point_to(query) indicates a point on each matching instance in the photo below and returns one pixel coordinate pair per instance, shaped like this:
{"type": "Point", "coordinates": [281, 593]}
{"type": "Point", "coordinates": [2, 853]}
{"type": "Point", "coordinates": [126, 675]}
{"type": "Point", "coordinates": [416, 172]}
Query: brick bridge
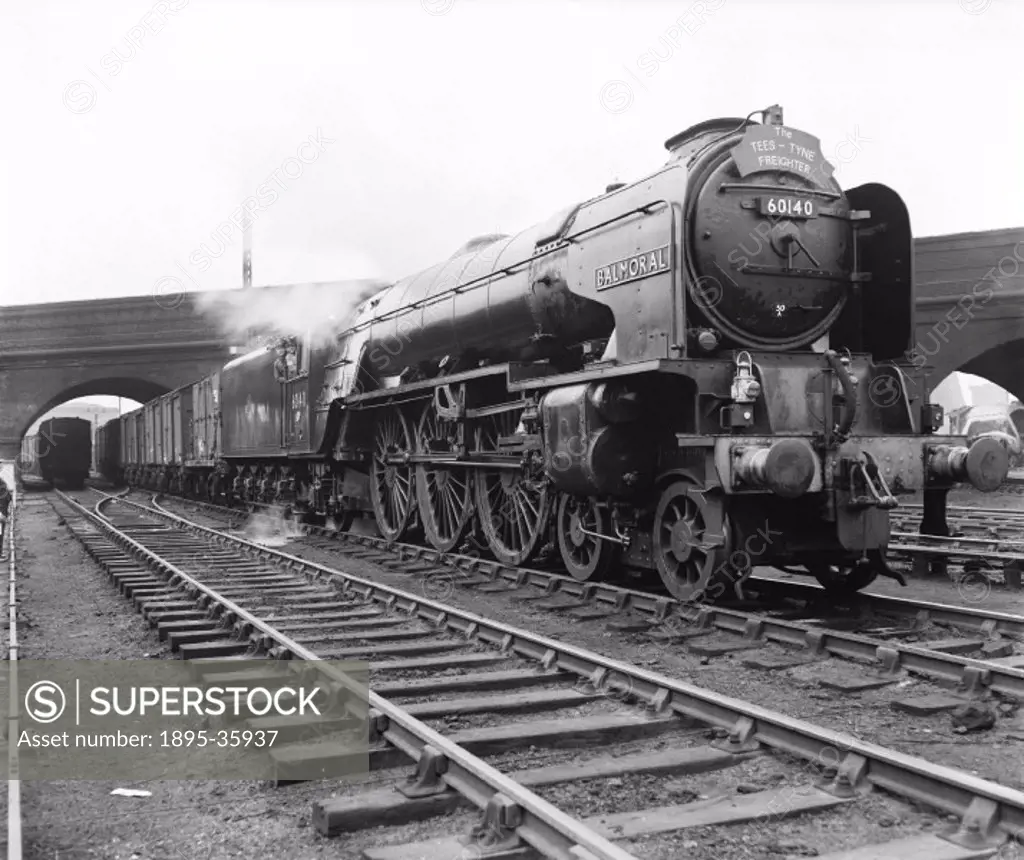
{"type": "Point", "coordinates": [970, 317]}
{"type": "Point", "coordinates": [970, 306]}
{"type": "Point", "coordinates": [136, 347]}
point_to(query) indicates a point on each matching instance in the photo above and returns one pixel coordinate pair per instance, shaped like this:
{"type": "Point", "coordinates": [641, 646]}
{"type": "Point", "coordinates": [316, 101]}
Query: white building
{"type": "Point", "coordinates": [963, 389]}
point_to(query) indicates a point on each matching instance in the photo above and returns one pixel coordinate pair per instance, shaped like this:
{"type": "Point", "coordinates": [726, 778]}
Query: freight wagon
{"type": "Point", "coordinates": [171, 443]}
{"type": "Point", "coordinates": [108, 451]}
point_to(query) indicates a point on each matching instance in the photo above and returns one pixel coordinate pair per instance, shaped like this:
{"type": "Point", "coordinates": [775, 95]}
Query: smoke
{"type": "Point", "coordinates": [271, 529]}
{"type": "Point", "coordinates": [320, 310]}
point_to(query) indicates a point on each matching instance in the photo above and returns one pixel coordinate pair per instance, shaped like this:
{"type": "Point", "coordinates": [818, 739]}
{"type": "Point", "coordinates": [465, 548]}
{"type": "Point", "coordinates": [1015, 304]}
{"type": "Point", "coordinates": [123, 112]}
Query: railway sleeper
{"type": "Point", "coordinates": [325, 617]}
{"type": "Point", "coordinates": [334, 816]}
{"type": "Point", "coordinates": [360, 636]}
{"type": "Point", "coordinates": [381, 622]}
{"type": "Point", "coordinates": [129, 587]}
{"type": "Point", "coordinates": [126, 585]}
{"type": "Point", "coordinates": [212, 633]}
{"type": "Point", "coordinates": [166, 629]}
{"type": "Point", "coordinates": [495, 835]}
{"type": "Point", "coordinates": [156, 618]}
{"type": "Point", "coordinates": [196, 650]}
{"type": "Point", "coordinates": [153, 607]}
{"type": "Point", "coordinates": [302, 762]}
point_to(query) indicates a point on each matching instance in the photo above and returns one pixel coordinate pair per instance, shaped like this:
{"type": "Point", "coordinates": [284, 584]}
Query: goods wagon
{"type": "Point", "coordinates": [108, 451]}
{"type": "Point", "coordinates": [132, 446]}
{"type": "Point", "coordinates": [172, 420]}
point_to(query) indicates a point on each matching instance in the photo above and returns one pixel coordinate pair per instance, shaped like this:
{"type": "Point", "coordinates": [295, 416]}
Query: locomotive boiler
{"type": "Point", "coordinates": [692, 374]}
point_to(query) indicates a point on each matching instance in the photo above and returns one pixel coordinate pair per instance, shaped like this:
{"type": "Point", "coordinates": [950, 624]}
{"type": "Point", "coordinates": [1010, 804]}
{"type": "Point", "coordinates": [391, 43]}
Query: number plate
{"type": "Point", "coordinates": [789, 207]}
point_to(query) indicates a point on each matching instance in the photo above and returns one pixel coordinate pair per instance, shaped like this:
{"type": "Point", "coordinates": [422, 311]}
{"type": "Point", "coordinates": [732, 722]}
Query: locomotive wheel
{"type": "Point", "coordinates": [513, 508]}
{"type": "Point", "coordinates": [391, 484]}
{"type": "Point", "coordinates": [843, 581]}
{"type": "Point", "coordinates": [585, 557]}
{"type": "Point", "coordinates": [690, 542]}
{"type": "Point", "coordinates": [445, 494]}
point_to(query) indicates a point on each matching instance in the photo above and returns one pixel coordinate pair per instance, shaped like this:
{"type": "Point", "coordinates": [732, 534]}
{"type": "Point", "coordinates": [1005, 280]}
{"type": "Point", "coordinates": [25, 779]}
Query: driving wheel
{"type": "Point", "coordinates": [391, 479]}
{"type": "Point", "coordinates": [444, 492]}
{"type": "Point", "coordinates": [512, 501]}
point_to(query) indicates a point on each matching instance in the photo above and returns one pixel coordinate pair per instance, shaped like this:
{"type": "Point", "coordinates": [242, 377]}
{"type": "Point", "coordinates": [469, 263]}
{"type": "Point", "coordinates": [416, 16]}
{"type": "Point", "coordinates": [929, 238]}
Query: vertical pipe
{"type": "Point", "coordinates": [247, 265]}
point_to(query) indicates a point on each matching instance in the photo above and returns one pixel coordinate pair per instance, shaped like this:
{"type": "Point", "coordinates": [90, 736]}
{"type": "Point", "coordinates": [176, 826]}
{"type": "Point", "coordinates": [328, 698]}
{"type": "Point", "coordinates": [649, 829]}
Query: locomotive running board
{"type": "Point", "coordinates": [421, 387]}
{"type": "Point", "coordinates": [603, 371]}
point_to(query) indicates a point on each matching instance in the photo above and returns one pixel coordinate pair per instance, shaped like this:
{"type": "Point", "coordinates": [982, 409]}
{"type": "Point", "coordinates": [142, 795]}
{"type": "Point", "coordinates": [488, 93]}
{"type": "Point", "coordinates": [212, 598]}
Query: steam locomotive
{"type": "Point", "coordinates": [692, 374]}
{"type": "Point", "coordinates": [61, 452]}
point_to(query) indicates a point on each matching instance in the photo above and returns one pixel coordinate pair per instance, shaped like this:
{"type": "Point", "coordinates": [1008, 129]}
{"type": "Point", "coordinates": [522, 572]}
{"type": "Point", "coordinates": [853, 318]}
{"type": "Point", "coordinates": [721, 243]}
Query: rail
{"type": "Point", "coordinates": [982, 805]}
{"type": "Point", "coordinates": [669, 613]}
{"type": "Point", "coordinates": [14, 832]}
{"type": "Point", "coordinates": [544, 826]}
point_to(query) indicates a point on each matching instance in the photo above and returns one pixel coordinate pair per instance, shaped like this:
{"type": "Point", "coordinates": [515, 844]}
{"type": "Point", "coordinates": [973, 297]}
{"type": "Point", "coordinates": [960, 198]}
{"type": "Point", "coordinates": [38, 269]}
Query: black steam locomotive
{"type": "Point", "coordinates": [60, 453]}
{"type": "Point", "coordinates": [691, 374]}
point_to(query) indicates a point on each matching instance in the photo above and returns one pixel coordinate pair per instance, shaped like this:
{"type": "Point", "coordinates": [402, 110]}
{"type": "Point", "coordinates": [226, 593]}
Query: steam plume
{"type": "Point", "coordinates": [321, 309]}
{"type": "Point", "coordinates": [270, 528]}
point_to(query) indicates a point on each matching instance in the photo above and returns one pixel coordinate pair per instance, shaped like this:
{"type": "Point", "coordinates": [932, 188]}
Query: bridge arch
{"type": "Point", "coordinates": [970, 306]}
{"type": "Point", "coordinates": [1017, 417]}
{"type": "Point", "coordinates": [140, 390]}
{"type": "Point", "coordinates": [1001, 364]}
{"type": "Point", "coordinates": [30, 390]}
{"type": "Point", "coordinates": [136, 347]}
{"type": "Point", "coordinates": [996, 354]}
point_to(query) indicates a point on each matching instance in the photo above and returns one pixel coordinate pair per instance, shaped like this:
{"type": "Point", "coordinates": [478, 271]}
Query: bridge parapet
{"type": "Point", "coordinates": [952, 265]}
{"type": "Point", "coordinates": [970, 306]}
{"type": "Point", "coordinates": [122, 322]}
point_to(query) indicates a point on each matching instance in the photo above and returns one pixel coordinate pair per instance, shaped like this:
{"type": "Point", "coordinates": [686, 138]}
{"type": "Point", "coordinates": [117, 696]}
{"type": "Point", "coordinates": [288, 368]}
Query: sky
{"type": "Point", "coordinates": [374, 138]}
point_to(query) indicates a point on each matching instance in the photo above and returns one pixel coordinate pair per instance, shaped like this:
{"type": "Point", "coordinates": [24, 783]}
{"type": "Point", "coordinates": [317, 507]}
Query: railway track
{"type": "Point", "coordinates": [985, 561]}
{"type": "Point", "coordinates": [984, 523]}
{"type": "Point", "coordinates": [9, 684]}
{"type": "Point", "coordinates": [204, 589]}
{"type": "Point", "coordinates": [986, 543]}
{"type": "Point", "coordinates": [893, 634]}
{"type": "Point", "coordinates": [968, 517]}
